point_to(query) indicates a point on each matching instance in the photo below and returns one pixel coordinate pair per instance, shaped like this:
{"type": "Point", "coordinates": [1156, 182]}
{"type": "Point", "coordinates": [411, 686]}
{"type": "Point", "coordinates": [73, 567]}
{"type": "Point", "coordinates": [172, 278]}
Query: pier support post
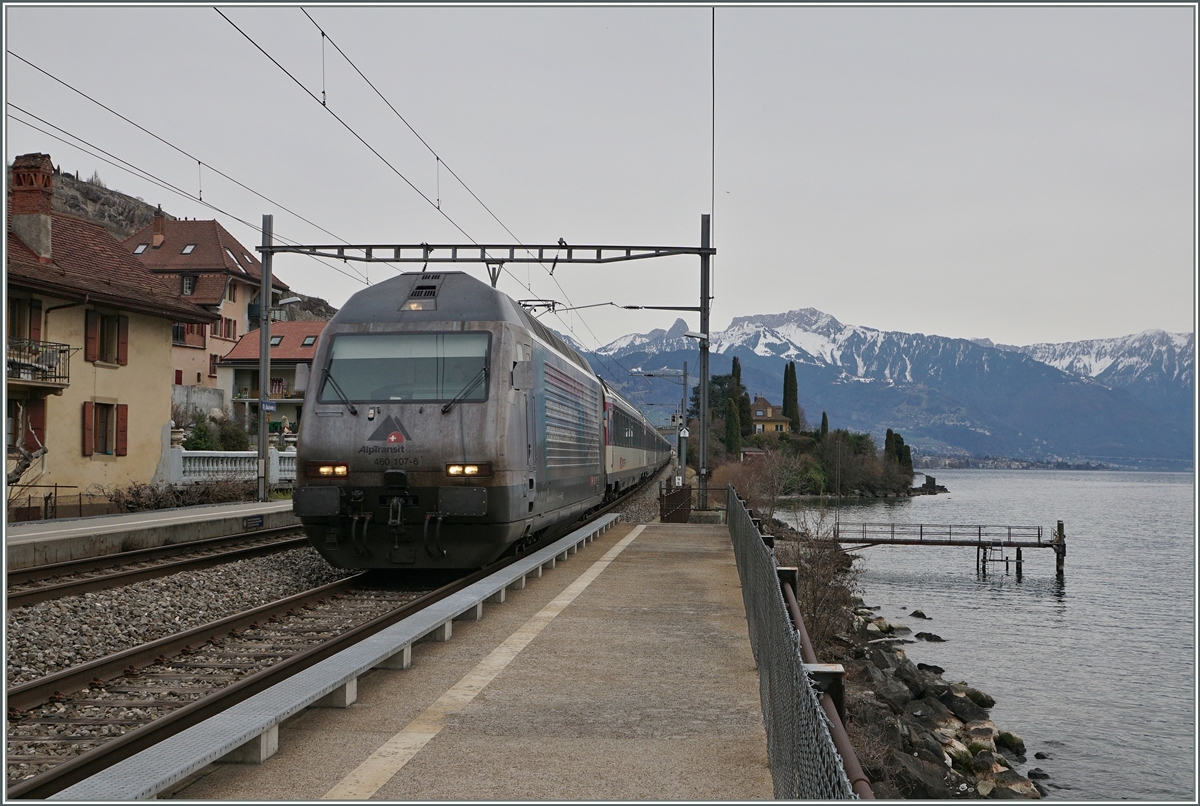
{"type": "Point", "coordinates": [1060, 550]}
{"type": "Point", "coordinates": [1019, 562]}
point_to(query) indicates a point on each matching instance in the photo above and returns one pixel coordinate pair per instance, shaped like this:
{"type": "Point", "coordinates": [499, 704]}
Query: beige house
{"type": "Point", "coordinates": [88, 345]}
{"type": "Point", "coordinates": [207, 267]}
{"type": "Point", "coordinates": [767, 418]}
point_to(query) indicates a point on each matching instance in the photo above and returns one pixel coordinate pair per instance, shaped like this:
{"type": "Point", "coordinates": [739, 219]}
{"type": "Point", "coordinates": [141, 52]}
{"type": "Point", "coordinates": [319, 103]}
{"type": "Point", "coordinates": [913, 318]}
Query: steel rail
{"type": "Point", "coordinates": [93, 761]}
{"type": "Point", "coordinates": [45, 593]}
{"type": "Point", "coordinates": [24, 576]}
{"type": "Point", "coordinates": [40, 691]}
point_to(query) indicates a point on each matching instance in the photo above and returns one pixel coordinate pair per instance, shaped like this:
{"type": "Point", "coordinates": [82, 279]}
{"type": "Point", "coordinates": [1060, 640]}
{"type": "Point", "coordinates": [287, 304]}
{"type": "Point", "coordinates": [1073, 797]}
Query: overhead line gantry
{"type": "Point", "coordinates": [495, 256]}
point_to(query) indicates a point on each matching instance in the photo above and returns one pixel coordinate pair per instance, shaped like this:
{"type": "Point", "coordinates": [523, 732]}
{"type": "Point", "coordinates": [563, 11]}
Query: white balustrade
{"type": "Point", "coordinates": [191, 467]}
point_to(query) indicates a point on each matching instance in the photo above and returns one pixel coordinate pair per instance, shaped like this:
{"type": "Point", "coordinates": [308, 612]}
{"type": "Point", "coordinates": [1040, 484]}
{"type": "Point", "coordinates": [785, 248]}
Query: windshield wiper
{"type": "Point", "coordinates": [340, 393]}
{"type": "Point", "coordinates": [479, 376]}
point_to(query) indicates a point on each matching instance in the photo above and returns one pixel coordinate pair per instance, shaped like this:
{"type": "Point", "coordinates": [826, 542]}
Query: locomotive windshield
{"type": "Point", "coordinates": [418, 367]}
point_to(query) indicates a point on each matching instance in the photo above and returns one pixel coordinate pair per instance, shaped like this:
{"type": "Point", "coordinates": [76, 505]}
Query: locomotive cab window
{"type": "Point", "coordinates": [412, 367]}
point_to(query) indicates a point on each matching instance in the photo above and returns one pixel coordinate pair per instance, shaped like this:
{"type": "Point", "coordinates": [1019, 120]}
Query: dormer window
{"type": "Point", "coordinates": [276, 341]}
{"type": "Point", "coordinates": [309, 341]}
{"type": "Point", "coordinates": [141, 248]}
{"type": "Point", "coordinates": [189, 284]}
{"type": "Point", "coordinates": [187, 250]}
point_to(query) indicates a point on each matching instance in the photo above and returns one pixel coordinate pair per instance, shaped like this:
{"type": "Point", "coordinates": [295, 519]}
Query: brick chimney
{"type": "Point", "coordinates": [158, 238]}
{"type": "Point", "coordinates": [32, 190]}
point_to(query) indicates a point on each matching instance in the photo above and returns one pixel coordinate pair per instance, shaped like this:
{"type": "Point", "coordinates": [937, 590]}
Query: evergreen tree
{"type": "Point", "coordinates": [717, 389]}
{"type": "Point", "coordinates": [737, 392]}
{"type": "Point", "coordinates": [791, 398]}
{"type": "Point", "coordinates": [824, 425]}
{"type": "Point", "coordinates": [733, 430]}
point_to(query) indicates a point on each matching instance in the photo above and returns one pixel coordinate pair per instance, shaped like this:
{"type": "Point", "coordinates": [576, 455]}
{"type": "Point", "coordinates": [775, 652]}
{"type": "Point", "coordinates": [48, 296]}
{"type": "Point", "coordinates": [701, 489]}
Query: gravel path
{"type": "Point", "coordinates": [52, 636]}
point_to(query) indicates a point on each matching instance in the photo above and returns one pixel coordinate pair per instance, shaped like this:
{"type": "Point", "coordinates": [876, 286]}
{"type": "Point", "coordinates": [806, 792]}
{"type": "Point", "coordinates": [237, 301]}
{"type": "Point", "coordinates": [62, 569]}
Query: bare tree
{"type": "Point", "coordinates": [827, 577]}
{"type": "Point", "coordinates": [19, 459]}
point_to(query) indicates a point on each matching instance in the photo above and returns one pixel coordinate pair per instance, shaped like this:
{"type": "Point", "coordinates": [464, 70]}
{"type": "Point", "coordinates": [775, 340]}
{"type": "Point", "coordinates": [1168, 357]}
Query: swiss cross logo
{"type": "Point", "coordinates": [391, 431]}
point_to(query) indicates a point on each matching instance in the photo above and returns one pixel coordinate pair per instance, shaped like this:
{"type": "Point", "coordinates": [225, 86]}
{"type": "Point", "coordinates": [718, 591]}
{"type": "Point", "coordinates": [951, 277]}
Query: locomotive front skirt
{"type": "Point", "coordinates": [444, 426]}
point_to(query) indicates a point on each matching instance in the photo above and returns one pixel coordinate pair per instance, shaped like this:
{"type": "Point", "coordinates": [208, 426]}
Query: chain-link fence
{"type": "Point", "coordinates": [804, 762]}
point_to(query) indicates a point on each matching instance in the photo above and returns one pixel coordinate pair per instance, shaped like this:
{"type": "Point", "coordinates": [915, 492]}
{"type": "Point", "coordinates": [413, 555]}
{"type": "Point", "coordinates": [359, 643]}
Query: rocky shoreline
{"type": "Point", "coordinates": [917, 735]}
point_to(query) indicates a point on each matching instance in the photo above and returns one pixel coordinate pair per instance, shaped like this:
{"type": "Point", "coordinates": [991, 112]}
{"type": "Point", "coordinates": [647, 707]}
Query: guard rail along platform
{"type": "Point", "coordinates": [810, 755]}
{"type": "Point", "coordinates": [249, 731]}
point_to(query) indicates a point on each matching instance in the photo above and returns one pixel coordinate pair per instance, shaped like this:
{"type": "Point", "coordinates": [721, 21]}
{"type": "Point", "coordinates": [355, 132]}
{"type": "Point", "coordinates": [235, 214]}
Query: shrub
{"type": "Point", "coordinates": [142, 497]}
{"type": "Point", "coordinates": [201, 439]}
{"type": "Point", "coordinates": [232, 437]}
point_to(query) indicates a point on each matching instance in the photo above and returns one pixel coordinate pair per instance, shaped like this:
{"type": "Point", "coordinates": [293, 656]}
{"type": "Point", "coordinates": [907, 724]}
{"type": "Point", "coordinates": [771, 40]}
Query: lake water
{"type": "Point", "coordinates": [1098, 670]}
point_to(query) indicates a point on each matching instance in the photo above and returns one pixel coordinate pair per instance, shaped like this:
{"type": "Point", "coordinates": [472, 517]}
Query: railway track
{"type": "Point", "coordinates": [44, 583]}
{"type": "Point", "coordinates": [70, 725]}
{"type": "Point", "coordinates": [67, 726]}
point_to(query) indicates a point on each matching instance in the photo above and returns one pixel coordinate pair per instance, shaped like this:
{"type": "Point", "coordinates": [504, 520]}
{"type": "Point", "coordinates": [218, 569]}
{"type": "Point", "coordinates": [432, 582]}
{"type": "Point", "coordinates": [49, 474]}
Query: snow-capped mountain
{"type": "Point", "coordinates": [1109, 399]}
{"type": "Point", "coordinates": [1153, 359]}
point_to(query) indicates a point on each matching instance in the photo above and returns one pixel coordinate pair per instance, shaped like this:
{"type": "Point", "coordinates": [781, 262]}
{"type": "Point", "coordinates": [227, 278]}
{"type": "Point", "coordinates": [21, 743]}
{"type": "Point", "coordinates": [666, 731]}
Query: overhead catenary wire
{"type": "Point", "coordinates": [439, 162]}
{"type": "Point", "coordinates": [169, 144]}
{"type": "Point", "coordinates": [130, 168]}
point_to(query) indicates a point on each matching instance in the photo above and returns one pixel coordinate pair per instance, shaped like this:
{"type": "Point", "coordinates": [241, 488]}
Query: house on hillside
{"type": "Point", "coordinates": [210, 268]}
{"type": "Point", "coordinates": [767, 418]}
{"type": "Point", "coordinates": [88, 349]}
{"type": "Point", "coordinates": [293, 347]}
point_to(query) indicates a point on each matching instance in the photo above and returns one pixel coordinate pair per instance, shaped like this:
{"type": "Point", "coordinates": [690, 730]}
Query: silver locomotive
{"type": "Point", "coordinates": [444, 426]}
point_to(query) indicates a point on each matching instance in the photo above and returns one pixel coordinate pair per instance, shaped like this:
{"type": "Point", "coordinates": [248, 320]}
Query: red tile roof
{"type": "Point", "coordinates": [216, 250]}
{"type": "Point", "coordinates": [289, 349]}
{"type": "Point", "coordinates": [87, 260]}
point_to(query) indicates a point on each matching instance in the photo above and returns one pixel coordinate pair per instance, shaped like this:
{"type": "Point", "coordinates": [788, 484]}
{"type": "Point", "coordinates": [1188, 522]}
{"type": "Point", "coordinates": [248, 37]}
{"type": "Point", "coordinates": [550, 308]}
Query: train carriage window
{"type": "Point", "coordinates": [424, 367]}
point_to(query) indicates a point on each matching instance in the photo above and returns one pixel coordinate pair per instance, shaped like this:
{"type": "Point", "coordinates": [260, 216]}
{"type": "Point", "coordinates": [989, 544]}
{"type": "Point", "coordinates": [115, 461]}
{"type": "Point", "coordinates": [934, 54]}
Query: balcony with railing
{"type": "Point", "coordinates": [39, 363]}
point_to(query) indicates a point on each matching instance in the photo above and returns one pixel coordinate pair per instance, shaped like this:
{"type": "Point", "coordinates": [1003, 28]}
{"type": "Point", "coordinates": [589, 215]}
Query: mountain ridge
{"type": "Point", "coordinates": [1128, 398]}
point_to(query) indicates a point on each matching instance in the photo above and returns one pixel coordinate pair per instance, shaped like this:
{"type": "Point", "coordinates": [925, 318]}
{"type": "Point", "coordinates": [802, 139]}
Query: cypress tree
{"type": "Point", "coordinates": [733, 429]}
{"type": "Point", "coordinates": [824, 425]}
{"type": "Point", "coordinates": [742, 398]}
{"type": "Point", "coordinates": [791, 398]}
{"type": "Point", "coordinates": [787, 388]}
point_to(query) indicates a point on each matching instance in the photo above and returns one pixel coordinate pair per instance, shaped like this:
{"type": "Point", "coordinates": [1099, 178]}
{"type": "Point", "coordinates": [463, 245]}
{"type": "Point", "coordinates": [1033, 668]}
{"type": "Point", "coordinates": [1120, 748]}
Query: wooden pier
{"type": "Point", "coordinates": [989, 542]}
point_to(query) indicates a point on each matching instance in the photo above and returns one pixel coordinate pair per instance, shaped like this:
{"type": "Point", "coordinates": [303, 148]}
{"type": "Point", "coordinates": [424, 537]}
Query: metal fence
{"type": "Point", "coordinates": [804, 762]}
{"type": "Point", "coordinates": [674, 503]}
{"type": "Point", "coordinates": [42, 361]}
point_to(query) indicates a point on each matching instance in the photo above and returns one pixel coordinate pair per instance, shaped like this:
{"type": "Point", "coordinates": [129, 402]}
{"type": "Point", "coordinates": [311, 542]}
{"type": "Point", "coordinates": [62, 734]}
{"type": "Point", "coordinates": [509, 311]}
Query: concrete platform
{"type": "Point", "coordinates": [41, 542]}
{"type": "Point", "coordinates": [623, 673]}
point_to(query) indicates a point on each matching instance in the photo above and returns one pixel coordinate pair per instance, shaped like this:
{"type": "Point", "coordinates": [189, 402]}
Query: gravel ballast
{"type": "Point", "coordinates": [46, 638]}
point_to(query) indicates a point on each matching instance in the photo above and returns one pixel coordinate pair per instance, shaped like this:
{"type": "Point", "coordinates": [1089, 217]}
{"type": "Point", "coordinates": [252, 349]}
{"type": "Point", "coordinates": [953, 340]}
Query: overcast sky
{"type": "Point", "coordinates": [1022, 174]}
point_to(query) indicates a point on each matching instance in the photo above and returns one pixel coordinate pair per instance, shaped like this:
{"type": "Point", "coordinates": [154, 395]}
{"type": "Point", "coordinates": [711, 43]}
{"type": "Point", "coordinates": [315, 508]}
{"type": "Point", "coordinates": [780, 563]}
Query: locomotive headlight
{"type": "Point", "coordinates": [327, 470]}
{"type": "Point", "coordinates": [475, 469]}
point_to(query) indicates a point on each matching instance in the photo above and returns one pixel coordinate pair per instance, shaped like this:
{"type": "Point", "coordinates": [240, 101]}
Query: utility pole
{"type": "Point", "coordinates": [681, 442]}
{"type": "Point", "coordinates": [264, 354]}
{"type": "Point", "coordinates": [702, 502]}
